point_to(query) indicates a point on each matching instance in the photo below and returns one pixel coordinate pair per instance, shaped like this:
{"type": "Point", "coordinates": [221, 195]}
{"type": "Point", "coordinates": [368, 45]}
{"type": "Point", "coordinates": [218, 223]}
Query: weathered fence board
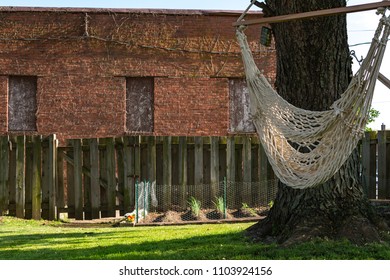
{"type": "Point", "coordinates": [95, 180]}
{"type": "Point", "coordinates": [36, 192]}
{"type": "Point", "coordinates": [182, 170]}
{"type": "Point", "coordinates": [78, 179]}
{"type": "Point", "coordinates": [167, 172]}
{"type": "Point", "coordinates": [4, 163]}
{"type": "Point", "coordinates": [111, 178]}
{"type": "Point", "coordinates": [20, 176]}
{"type": "Point", "coordinates": [383, 164]}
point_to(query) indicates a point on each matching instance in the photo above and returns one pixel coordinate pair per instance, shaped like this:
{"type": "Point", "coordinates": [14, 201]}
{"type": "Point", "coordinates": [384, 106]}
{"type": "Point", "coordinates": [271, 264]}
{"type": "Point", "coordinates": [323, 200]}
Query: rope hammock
{"type": "Point", "coordinates": [306, 148]}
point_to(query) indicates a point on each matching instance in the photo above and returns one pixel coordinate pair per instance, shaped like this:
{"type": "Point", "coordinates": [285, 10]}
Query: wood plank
{"type": "Point", "coordinates": [246, 194]}
{"type": "Point", "coordinates": [20, 176]}
{"type": "Point", "coordinates": [103, 176]}
{"type": "Point", "coordinates": [382, 78]}
{"type": "Point", "coordinates": [382, 169]}
{"type": "Point", "coordinates": [230, 159]}
{"type": "Point", "coordinates": [120, 173]}
{"type": "Point", "coordinates": [12, 177]}
{"type": "Point", "coordinates": [28, 177]}
{"type": "Point", "coordinates": [264, 176]}
{"type": "Point", "coordinates": [214, 169]}
{"type": "Point", "coordinates": [369, 165]}
{"type": "Point", "coordinates": [86, 160]}
{"type": "Point", "coordinates": [36, 196]}
{"type": "Point", "coordinates": [70, 182]}
{"type": "Point", "coordinates": [236, 187]}
{"type": "Point", "coordinates": [167, 173]}
{"type": "Point", "coordinates": [388, 165]}
{"type": "Point", "coordinates": [52, 176]}
{"type": "Point", "coordinates": [60, 184]}
{"type": "Point", "coordinates": [137, 159]}
{"type": "Point", "coordinates": [182, 162]}
{"type": "Point", "coordinates": [230, 171]}
{"type": "Point", "coordinates": [152, 159]}
{"type": "Point", "coordinates": [199, 176]}
{"type": "Point", "coordinates": [128, 174]}
{"type": "Point", "coordinates": [4, 163]}
{"type": "Point", "coordinates": [95, 179]}
{"type": "Point", "coordinates": [111, 178]}
{"type": "Point", "coordinates": [311, 14]}
{"type": "Point", "coordinates": [78, 179]}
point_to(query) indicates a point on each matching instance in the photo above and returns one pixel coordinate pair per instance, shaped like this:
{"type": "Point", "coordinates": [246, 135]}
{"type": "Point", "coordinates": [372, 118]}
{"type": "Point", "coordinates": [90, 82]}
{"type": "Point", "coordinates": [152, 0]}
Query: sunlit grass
{"type": "Point", "coordinates": [21, 239]}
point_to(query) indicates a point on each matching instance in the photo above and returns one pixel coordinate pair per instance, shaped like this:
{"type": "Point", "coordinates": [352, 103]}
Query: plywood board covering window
{"type": "Point", "coordinates": [240, 121]}
{"type": "Point", "coordinates": [22, 103]}
{"type": "Point", "coordinates": [139, 104]}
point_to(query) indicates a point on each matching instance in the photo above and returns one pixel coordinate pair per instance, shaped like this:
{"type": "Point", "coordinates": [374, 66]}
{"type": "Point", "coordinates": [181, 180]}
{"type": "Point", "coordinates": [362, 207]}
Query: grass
{"type": "Point", "coordinates": [31, 240]}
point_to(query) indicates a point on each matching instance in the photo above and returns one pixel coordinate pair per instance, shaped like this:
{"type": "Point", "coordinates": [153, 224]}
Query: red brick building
{"type": "Point", "coordinates": [99, 72]}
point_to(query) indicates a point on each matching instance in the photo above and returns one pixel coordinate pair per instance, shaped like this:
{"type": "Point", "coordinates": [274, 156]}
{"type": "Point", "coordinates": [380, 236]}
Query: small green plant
{"type": "Point", "coordinates": [245, 207]}
{"type": "Point", "coordinates": [195, 206]}
{"type": "Point", "coordinates": [373, 114]}
{"type": "Point", "coordinates": [219, 204]}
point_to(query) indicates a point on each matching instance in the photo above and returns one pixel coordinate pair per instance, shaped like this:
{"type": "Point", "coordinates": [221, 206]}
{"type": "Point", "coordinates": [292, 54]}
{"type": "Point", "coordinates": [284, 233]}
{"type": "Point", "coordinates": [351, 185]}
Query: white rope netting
{"type": "Point", "coordinates": [306, 148]}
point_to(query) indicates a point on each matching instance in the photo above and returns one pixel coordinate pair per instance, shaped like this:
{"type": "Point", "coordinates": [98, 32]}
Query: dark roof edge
{"type": "Point", "coordinates": [125, 10]}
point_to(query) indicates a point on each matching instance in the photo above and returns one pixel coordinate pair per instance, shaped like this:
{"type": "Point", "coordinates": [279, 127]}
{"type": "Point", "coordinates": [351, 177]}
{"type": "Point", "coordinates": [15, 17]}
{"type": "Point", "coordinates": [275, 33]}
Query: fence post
{"type": "Point", "coordinates": [214, 166]}
{"type": "Point", "coordinates": [4, 163]}
{"type": "Point", "coordinates": [230, 159]}
{"type": "Point", "coordinates": [111, 178]}
{"type": "Point", "coordinates": [136, 200]}
{"type": "Point", "coordinates": [20, 176]}
{"type": "Point", "coordinates": [52, 176]}
{"type": "Point", "coordinates": [77, 177]}
{"type": "Point", "coordinates": [12, 177]}
{"type": "Point", "coordinates": [128, 173]}
{"type": "Point", "coordinates": [167, 172]}
{"type": "Point", "coordinates": [383, 166]}
{"type": "Point", "coordinates": [86, 179]}
{"type": "Point", "coordinates": [246, 193]}
{"type": "Point", "coordinates": [36, 196]}
{"type": "Point", "coordinates": [198, 173]}
{"type": "Point", "coordinates": [95, 183]}
{"type": "Point", "coordinates": [224, 198]}
{"type": "Point", "coordinates": [183, 171]}
{"type": "Point", "coordinates": [60, 184]}
{"type": "Point", "coordinates": [28, 177]}
{"type": "Point", "coordinates": [368, 162]}
{"type": "Point", "coordinates": [146, 185]}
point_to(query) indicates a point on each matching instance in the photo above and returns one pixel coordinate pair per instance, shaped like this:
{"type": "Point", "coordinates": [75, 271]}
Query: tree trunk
{"type": "Point", "coordinates": [313, 69]}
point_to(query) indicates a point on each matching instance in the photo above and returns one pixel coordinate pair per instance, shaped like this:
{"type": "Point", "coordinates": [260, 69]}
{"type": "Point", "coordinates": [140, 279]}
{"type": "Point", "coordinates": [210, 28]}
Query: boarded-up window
{"type": "Point", "coordinates": [239, 107]}
{"type": "Point", "coordinates": [139, 104]}
{"type": "Point", "coordinates": [22, 103]}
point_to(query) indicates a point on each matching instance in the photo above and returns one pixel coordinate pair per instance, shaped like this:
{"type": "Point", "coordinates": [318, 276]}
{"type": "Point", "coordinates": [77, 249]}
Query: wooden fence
{"type": "Point", "coordinates": [375, 164]}
{"type": "Point", "coordinates": [92, 178]}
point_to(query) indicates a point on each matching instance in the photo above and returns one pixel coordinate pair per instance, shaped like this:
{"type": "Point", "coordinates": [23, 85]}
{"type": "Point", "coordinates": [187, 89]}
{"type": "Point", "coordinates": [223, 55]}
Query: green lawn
{"type": "Point", "coordinates": [22, 239]}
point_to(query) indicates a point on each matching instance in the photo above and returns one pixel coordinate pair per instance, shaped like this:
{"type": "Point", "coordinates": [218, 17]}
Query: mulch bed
{"type": "Point", "coordinates": [174, 218]}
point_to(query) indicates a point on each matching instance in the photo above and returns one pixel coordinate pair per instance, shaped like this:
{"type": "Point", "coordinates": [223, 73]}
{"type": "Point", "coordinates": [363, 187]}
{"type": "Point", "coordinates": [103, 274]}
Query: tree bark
{"type": "Point", "coordinates": [313, 69]}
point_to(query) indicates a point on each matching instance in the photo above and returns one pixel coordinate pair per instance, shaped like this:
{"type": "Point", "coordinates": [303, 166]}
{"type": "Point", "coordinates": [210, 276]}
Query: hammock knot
{"type": "Point", "coordinates": [337, 110]}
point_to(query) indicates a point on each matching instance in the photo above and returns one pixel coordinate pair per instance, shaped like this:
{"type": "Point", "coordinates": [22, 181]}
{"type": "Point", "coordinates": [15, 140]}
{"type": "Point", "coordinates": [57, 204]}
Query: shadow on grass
{"type": "Point", "coordinates": [93, 245]}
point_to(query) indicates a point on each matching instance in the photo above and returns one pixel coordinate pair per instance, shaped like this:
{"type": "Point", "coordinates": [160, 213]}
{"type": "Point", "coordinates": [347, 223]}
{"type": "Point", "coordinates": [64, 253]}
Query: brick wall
{"type": "Point", "coordinates": [199, 108]}
{"type": "Point", "coordinates": [81, 58]}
